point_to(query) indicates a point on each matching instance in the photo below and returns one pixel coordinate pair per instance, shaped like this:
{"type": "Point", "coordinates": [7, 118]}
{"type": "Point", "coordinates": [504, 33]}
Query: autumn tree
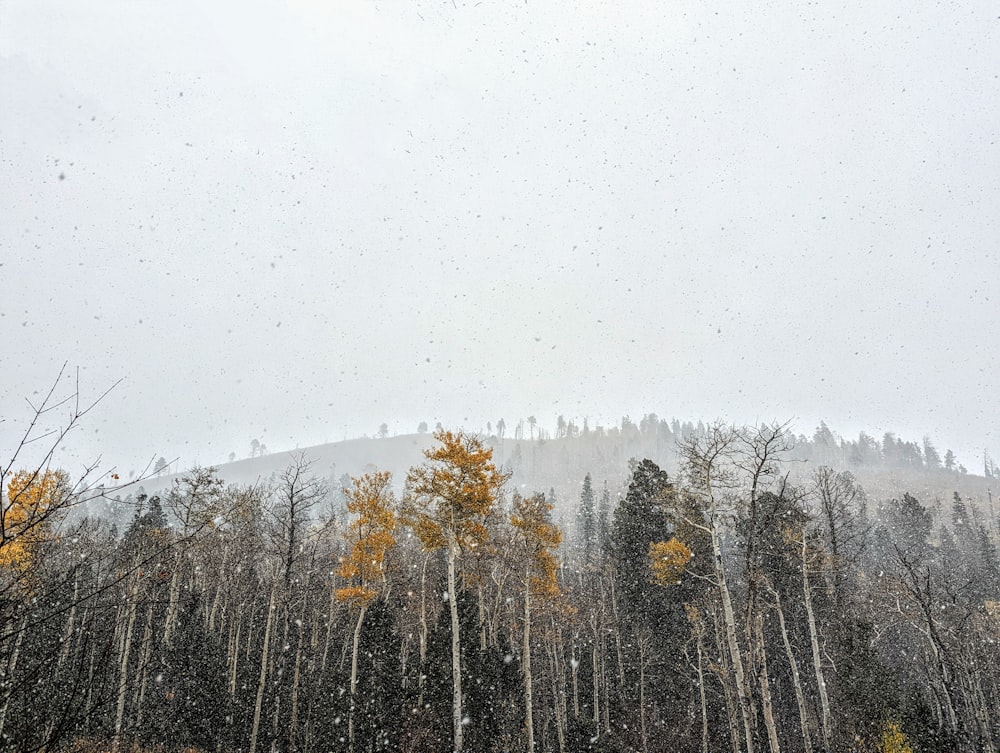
{"type": "Point", "coordinates": [537, 538]}
{"type": "Point", "coordinates": [667, 560]}
{"type": "Point", "coordinates": [370, 536]}
{"type": "Point", "coordinates": [33, 499]}
{"type": "Point", "coordinates": [447, 503]}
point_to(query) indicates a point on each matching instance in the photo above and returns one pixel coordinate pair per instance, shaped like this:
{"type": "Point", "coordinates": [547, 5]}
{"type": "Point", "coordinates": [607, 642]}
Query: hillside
{"type": "Point", "coordinates": [560, 464]}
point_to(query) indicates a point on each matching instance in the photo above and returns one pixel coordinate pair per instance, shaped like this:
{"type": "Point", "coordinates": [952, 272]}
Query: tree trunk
{"type": "Point", "coordinates": [144, 658]}
{"type": "Point", "coordinates": [9, 672]}
{"type": "Point", "coordinates": [594, 659]}
{"type": "Point", "coordinates": [796, 681]}
{"type": "Point", "coordinates": [606, 685]}
{"type": "Point", "coordinates": [701, 691]}
{"type": "Point", "coordinates": [558, 698]}
{"type": "Point", "coordinates": [173, 598]}
{"type": "Point", "coordinates": [238, 619]}
{"type": "Point", "coordinates": [642, 693]}
{"type": "Point", "coordinates": [618, 639]}
{"type": "Point", "coordinates": [354, 677]}
{"type": "Point", "coordinates": [456, 647]}
{"type": "Point", "coordinates": [727, 689]}
{"type": "Point", "coordinates": [123, 673]}
{"type": "Point", "coordinates": [824, 700]}
{"type": "Point", "coordinates": [422, 632]}
{"type": "Point", "coordinates": [742, 689]}
{"type": "Point", "coordinates": [482, 613]}
{"type": "Point", "coordinates": [293, 724]}
{"type": "Point", "coordinates": [70, 622]}
{"type": "Point", "coordinates": [262, 682]}
{"type": "Point", "coordinates": [329, 629]}
{"type": "Point", "coordinates": [574, 665]}
{"type": "Point", "coordinates": [218, 593]}
{"type": "Point", "coordinates": [765, 686]}
{"type": "Point", "coordinates": [529, 723]}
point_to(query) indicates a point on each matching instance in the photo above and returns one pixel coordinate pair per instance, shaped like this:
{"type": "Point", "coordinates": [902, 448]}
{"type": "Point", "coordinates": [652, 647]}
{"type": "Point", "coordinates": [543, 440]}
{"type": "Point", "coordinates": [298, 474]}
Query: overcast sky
{"type": "Point", "coordinates": [293, 221]}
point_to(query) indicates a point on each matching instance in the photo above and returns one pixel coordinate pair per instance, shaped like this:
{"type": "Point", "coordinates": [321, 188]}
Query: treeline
{"type": "Point", "coordinates": [720, 608]}
{"type": "Point", "coordinates": [655, 436]}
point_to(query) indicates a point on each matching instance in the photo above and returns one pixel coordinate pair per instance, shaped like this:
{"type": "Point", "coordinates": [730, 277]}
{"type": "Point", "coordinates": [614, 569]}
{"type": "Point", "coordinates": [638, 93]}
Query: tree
{"type": "Point", "coordinates": [370, 536]}
{"type": "Point", "coordinates": [34, 499]}
{"type": "Point", "coordinates": [588, 519]}
{"type": "Point", "coordinates": [639, 520]}
{"type": "Point", "coordinates": [893, 740]}
{"type": "Point", "coordinates": [931, 456]}
{"type": "Point", "coordinates": [195, 500]}
{"type": "Point", "coordinates": [667, 560]}
{"type": "Point", "coordinates": [538, 538]}
{"type": "Point", "coordinates": [447, 503]}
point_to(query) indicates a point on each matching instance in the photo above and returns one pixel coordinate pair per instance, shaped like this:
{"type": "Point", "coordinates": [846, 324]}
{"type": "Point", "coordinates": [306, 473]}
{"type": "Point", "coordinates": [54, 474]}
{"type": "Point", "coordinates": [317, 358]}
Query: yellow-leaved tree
{"type": "Point", "coordinates": [371, 535]}
{"type": "Point", "coordinates": [448, 501]}
{"type": "Point", "coordinates": [893, 739]}
{"type": "Point", "coordinates": [537, 538]}
{"type": "Point", "coordinates": [667, 560]}
{"type": "Point", "coordinates": [27, 514]}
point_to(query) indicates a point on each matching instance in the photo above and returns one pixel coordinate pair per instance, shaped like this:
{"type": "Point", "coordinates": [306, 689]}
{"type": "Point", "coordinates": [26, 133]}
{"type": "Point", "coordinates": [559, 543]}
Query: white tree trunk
{"type": "Point", "coordinates": [354, 677]}
{"type": "Point", "coordinates": [123, 674]}
{"type": "Point", "coordinates": [144, 657]}
{"type": "Point", "coordinates": [765, 686]}
{"type": "Point", "coordinates": [742, 689]}
{"type": "Point", "coordinates": [262, 682]}
{"type": "Point", "coordinates": [796, 681]}
{"type": "Point", "coordinates": [9, 673]}
{"type": "Point", "coordinates": [456, 648]}
{"type": "Point", "coordinates": [597, 681]}
{"type": "Point", "coordinates": [172, 599]}
{"type": "Point", "coordinates": [529, 723]}
{"type": "Point", "coordinates": [701, 692]}
{"type": "Point", "coordinates": [824, 701]}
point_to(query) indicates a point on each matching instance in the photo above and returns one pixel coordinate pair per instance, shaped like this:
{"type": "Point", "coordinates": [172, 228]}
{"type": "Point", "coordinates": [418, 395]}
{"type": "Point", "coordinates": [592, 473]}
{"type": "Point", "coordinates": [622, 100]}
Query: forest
{"type": "Point", "coordinates": [728, 605]}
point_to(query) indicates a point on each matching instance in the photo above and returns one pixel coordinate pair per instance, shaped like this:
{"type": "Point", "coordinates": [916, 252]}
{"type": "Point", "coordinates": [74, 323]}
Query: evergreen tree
{"type": "Point", "coordinates": [587, 520]}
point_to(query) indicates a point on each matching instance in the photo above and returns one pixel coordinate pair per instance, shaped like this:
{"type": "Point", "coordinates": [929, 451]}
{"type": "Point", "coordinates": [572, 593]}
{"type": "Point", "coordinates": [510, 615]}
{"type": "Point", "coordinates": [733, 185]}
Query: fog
{"type": "Point", "coordinates": [296, 221]}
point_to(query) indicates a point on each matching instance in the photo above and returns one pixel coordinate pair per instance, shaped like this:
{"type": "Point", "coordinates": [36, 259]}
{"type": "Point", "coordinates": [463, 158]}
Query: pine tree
{"type": "Point", "coordinates": [587, 520]}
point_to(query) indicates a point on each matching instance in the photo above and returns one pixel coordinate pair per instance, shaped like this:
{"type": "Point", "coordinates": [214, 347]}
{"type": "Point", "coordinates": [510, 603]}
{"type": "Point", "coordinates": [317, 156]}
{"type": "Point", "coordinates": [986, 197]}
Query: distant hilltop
{"type": "Point", "coordinates": [557, 463]}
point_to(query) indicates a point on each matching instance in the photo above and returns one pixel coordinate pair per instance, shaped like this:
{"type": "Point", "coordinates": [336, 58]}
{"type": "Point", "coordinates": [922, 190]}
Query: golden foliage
{"type": "Point", "coordinates": [355, 594]}
{"type": "Point", "coordinates": [371, 534]}
{"type": "Point", "coordinates": [667, 560]}
{"type": "Point", "coordinates": [893, 739]}
{"type": "Point", "coordinates": [449, 496]}
{"type": "Point", "coordinates": [33, 497]}
{"type": "Point", "coordinates": [540, 538]}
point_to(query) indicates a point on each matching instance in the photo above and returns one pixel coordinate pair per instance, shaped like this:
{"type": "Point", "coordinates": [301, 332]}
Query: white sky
{"type": "Point", "coordinates": [294, 221]}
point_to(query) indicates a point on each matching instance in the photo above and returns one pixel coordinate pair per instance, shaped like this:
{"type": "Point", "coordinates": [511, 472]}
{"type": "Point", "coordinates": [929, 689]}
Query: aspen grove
{"type": "Point", "coordinates": [723, 607]}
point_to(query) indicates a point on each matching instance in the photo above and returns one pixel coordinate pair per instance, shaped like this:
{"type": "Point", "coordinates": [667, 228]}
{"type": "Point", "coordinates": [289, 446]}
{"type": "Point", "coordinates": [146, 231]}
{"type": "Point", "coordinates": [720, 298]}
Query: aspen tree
{"type": "Point", "coordinates": [370, 536]}
{"type": "Point", "coordinates": [538, 538]}
{"type": "Point", "coordinates": [708, 464]}
{"type": "Point", "coordinates": [447, 503]}
{"type": "Point", "coordinates": [25, 514]}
